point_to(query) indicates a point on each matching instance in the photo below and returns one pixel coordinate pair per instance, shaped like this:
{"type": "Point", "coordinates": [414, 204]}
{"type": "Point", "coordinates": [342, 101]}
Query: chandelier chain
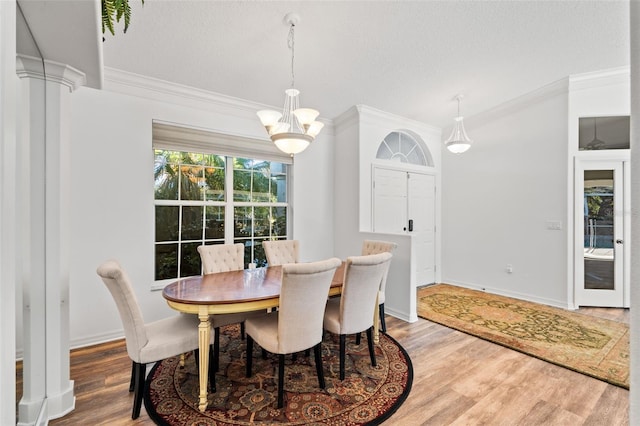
{"type": "Point", "coordinates": [291, 42]}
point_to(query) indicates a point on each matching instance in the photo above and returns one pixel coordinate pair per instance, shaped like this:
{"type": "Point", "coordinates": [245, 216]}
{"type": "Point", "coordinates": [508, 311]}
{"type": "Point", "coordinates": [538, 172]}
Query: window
{"type": "Point", "coordinates": [209, 198]}
{"type": "Point", "coordinates": [404, 148]}
{"type": "Point", "coordinates": [598, 133]}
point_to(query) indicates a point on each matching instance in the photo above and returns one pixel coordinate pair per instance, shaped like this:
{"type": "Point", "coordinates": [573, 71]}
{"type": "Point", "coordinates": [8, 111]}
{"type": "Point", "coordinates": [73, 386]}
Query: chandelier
{"type": "Point", "coordinates": [293, 129]}
{"type": "Point", "coordinates": [458, 142]}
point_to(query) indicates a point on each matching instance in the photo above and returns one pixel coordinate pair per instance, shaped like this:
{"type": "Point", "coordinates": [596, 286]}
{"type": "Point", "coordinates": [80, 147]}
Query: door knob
{"type": "Point", "coordinates": [619, 241]}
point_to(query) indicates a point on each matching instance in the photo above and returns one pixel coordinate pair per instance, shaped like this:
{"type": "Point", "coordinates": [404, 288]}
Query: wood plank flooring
{"type": "Point", "coordinates": [458, 380]}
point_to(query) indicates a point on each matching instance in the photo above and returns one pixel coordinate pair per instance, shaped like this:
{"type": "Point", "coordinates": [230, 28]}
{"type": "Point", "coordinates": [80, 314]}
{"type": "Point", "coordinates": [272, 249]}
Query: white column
{"type": "Point", "coordinates": [634, 393]}
{"type": "Point", "coordinates": [8, 82]}
{"type": "Point", "coordinates": [44, 219]}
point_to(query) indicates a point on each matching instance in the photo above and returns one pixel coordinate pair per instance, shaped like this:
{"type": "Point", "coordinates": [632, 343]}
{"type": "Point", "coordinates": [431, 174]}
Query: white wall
{"type": "Point", "coordinates": [112, 190]}
{"type": "Point", "coordinates": [498, 196]}
{"type": "Point", "coordinates": [518, 175]}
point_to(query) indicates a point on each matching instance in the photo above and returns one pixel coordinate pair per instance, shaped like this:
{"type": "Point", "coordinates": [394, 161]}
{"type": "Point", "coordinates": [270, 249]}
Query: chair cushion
{"type": "Point", "coordinates": [169, 337]}
{"type": "Point", "coordinates": [331, 321]}
{"type": "Point", "coordinates": [264, 330]}
{"type": "Point", "coordinates": [380, 297]}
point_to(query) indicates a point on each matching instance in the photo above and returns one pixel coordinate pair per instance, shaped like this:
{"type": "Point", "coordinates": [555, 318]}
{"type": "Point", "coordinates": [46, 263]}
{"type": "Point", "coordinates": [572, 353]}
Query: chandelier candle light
{"type": "Point", "coordinates": [458, 142]}
{"type": "Point", "coordinates": [293, 129]}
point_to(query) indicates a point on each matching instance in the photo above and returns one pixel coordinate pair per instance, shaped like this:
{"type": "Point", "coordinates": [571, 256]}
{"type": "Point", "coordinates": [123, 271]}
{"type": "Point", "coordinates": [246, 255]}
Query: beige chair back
{"type": "Point", "coordinates": [281, 252]}
{"type": "Point", "coordinates": [119, 285]}
{"type": "Point", "coordinates": [303, 298]}
{"type": "Point", "coordinates": [375, 247]}
{"type": "Point", "coordinates": [362, 278]}
{"type": "Point", "coordinates": [221, 257]}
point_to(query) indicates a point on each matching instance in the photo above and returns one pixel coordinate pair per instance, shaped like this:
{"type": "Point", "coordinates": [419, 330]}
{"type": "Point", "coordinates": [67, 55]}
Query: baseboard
{"type": "Point", "coordinates": [400, 315]}
{"type": "Point", "coordinates": [513, 294]}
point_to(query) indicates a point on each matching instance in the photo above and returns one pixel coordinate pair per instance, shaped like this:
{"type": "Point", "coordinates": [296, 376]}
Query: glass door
{"type": "Point", "coordinates": [600, 209]}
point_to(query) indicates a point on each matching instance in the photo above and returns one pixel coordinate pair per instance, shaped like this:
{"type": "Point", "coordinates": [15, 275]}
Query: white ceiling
{"type": "Point", "coordinates": [409, 58]}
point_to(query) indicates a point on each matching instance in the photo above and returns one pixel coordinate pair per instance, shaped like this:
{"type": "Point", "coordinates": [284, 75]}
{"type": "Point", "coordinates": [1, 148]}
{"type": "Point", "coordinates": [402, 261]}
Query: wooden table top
{"type": "Point", "coordinates": [246, 285]}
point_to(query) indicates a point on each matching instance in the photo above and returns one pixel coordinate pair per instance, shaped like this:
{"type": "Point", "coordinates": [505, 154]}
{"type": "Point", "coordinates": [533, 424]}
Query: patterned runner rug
{"type": "Point", "coordinates": [593, 346]}
{"type": "Point", "coordinates": [368, 395]}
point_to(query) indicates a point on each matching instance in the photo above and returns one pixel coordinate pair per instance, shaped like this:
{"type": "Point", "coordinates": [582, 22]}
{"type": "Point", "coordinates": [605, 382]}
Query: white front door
{"type": "Point", "coordinates": [404, 202]}
{"type": "Point", "coordinates": [389, 201]}
{"type": "Point", "coordinates": [421, 216]}
{"type": "Point", "coordinates": [601, 213]}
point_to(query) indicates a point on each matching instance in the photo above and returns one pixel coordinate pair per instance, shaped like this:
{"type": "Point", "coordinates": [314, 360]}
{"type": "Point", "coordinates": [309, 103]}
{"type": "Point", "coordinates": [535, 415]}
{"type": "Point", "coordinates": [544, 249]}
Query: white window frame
{"type": "Point", "coordinates": [187, 139]}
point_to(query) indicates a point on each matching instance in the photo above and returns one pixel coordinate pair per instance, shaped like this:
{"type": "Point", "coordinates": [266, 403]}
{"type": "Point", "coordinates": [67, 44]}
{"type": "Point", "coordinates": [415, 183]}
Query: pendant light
{"type": "Point", "coordinates": [293, 129]}
{"type": "Point", "coordinates": [458, 142]}
{"type": "Point", "coordinates": [595, 143]}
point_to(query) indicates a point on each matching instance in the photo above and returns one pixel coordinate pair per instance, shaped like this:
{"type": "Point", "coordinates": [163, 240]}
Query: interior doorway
{"type": "Point", "coordinates": [601, 264]}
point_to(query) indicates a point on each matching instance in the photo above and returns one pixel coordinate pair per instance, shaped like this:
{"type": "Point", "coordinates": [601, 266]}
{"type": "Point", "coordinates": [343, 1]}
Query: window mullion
{"type": "Point", "coordinates": [229, 206]}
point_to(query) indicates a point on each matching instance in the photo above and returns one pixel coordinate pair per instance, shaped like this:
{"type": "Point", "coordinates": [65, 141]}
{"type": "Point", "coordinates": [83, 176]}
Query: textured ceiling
{"type": "Point", "coordinates": [406, 58]}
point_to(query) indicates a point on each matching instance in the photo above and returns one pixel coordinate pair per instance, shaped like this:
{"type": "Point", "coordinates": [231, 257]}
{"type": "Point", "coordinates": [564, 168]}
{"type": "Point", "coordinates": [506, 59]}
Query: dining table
{"type": "Point", "coordinates": [232, 292]}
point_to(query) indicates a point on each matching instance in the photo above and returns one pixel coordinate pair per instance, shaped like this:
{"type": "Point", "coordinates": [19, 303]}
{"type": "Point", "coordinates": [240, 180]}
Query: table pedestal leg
{"type": "Point", "coordinates": [204, 338]}
{"type": "Point", "coordinates": [376, 321]}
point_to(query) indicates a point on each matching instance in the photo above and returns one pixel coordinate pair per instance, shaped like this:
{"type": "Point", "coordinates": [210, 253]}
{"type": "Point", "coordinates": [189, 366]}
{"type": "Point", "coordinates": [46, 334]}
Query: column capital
{"type": "Point", "coordinates": [65, 75]}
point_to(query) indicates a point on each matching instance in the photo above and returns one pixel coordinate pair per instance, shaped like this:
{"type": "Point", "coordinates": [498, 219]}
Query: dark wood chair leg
{"type": "Point", "coordinates": [264, 354]}
{"type": "Point", "coordinates": [383, 324]}
{"type": "Point", "coordinates": [372, 352]}
{"type": "Point", "coordinates": [216, 349]}
{"type": "Point", "coordinates": [358, 337]}
{"type": "Point", "coordinates": [280, 381]}
{"type": "Point", "coordinates": [317, 351]}
{"type": "Point", "coordinates": [212, 373]}
{"type": "Point", "coordinates": [141, 370]}
{"type": "Point", "coordinates": [249, 355]}
{"type": "Point", "coordinates": [307, 353]}
{"type": "Point", "coordinates": [242, 333]}
{"type": "Point", "coordinates": [294, 357]}
{"type": "Point", "coordinates": [343, 346]}
{"type": "Point", "coordinates": [132, 383]}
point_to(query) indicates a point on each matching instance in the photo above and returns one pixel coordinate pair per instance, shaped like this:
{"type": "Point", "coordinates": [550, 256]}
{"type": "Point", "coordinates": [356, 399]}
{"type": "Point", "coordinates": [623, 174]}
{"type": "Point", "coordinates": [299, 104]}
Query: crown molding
{"type": "Point", "coordinates": [558, 87]}
{"type": "Point", "coordinates": [590, 80]}
{"type": "Point", "coordinates": [155, 89]}
{"type": "Point", "coordinates": [65, 75]}
{"type": "Point", "coordinates": [375, 116]}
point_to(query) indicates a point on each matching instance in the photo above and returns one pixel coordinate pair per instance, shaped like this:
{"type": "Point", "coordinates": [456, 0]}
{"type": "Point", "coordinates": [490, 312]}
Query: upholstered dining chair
{"type": "Point", "coordinates": [222, 258]}
{"type": "Point", "coordinates": [297, 325]}
{"type": "Point", "coordinates": [280, 252]}
{"type": "Point", "coordinates": [375, 247]}
{"type": "Point", "coordinates": [352, 312]}
{"type": "Point", "coordinates": [147, 342]}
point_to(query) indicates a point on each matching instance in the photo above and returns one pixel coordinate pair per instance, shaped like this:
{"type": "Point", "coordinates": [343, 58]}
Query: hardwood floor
{"type": "Point", "coordinates": [458, 380]}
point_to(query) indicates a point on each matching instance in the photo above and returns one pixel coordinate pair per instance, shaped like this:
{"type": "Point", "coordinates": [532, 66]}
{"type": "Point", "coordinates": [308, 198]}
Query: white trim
{"type": "Point", "coordinates": [65, 75]}
{"type": "Point", "coordinates": [184, 138]}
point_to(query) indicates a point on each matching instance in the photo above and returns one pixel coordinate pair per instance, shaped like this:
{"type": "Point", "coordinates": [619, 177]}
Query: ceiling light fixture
{"type": "Point", "coordinates": [293, 129]}
{"type": "Point", "coordinates": [458, 142]}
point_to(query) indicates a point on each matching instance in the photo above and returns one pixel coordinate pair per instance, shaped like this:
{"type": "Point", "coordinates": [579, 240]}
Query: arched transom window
{"type": "Point", "coordinates": [402, 147]}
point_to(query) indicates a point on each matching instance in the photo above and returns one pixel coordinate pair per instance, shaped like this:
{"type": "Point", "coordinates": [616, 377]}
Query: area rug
{"type": "Point", "coordinates": [593, 346]}
{"type": "Point", "coordinates": [367, 396]}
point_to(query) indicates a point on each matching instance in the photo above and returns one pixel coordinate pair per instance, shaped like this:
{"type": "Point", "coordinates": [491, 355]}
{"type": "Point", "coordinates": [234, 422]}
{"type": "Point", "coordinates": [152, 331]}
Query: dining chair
{"type": "Point", "coordinates": [280, 252]}
{"type": "Point", "coordinates": [223, 258]}
{"type": "Point", "coordinates": [375, 247]}
{"type": "Point", "coordinates": [147, 342]}
{"type": "Point", "coordinates": [352, 312]}
{"type": "Point", "coordinates": [297, 325]}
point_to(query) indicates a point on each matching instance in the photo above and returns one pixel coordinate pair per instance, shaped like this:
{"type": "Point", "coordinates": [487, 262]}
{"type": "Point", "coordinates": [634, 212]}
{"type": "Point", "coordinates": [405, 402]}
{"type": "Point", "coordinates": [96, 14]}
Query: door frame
{"type": "Point", "coordinates": [589, 160]}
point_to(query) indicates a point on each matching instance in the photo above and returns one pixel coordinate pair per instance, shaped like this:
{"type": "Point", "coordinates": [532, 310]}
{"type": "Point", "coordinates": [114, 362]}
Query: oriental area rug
{"type": "Point", "coordinates": [367, 396]}
{"type": "Point", "coordinates": [593, 346]}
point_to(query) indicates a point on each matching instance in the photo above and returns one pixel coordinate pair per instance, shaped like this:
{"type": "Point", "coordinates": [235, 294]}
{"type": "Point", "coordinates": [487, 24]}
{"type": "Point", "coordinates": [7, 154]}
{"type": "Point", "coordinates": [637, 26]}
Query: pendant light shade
{"type": "Point", "coordinates": [458, 142]}
{"type": "Point", "coordinates": [293, 129]}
